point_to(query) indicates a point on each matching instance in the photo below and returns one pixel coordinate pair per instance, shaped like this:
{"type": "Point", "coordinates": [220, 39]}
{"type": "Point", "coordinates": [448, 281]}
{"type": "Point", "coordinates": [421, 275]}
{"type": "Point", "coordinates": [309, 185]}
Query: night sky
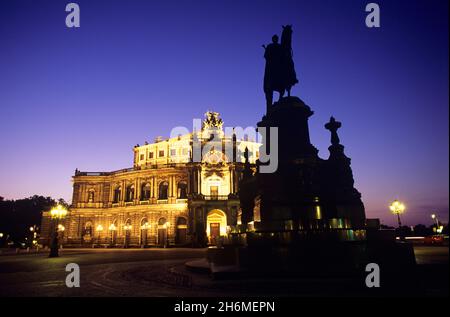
{"type": "Point", "coordinates": [82, 98]}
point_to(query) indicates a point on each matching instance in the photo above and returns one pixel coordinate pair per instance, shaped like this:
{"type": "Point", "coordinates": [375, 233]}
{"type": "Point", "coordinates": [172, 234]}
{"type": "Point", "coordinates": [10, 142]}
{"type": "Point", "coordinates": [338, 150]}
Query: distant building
{"type": "Point", "coordinates": [166, 198]}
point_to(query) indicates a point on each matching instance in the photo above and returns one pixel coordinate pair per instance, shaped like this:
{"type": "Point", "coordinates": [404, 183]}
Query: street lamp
{"type": "Point", "coordinates": [435, 218]}
{"type": "Point", "coordinates": [59, 212]}
{"type": "Point", "coordinates": [398, 208]}
{"type": "Point", "coordinates": [33, 234]}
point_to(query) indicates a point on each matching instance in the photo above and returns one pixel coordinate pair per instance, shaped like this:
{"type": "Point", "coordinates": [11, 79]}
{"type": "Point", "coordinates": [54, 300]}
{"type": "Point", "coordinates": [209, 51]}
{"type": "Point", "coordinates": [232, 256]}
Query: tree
{"type": "Point", "coordinates": [19, 215]}
{"type": "Point", "coordinates": [422, 230]}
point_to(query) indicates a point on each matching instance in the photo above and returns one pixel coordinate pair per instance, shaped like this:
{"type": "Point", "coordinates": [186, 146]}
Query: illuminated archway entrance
{"type": "Point", "coordinates": [144, 232]}
{"type": "Point", "coordinates": [127, 233]}
{"type": "Point", "coordinates": [181, 232]}
{"type": "Point", "coordinates": [216, 225]}
{"type": "Point", "coordinates": [113, 232]}
{"type": "Point", "coordinates": [162, 232]}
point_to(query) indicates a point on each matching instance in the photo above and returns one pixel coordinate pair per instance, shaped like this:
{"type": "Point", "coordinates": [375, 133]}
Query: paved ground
{"type": "Point", "coordinates": [161, 272]}
{"type": "Point", "coordinates": [431, 254]}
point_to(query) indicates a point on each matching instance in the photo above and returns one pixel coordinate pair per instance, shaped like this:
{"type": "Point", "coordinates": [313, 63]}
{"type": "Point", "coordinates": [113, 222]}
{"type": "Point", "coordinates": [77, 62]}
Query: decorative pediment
{"type": "Point", "coordinates": [214, 171]}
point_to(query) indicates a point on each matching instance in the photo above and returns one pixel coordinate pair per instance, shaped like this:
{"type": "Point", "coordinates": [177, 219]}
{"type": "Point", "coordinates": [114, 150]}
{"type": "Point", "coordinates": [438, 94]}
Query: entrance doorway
{"type": "Point", "coordinates": [162, 232]}
{"type": "Point", "coordinates": [127, 233]}
{"type": "Point", "coordinates": [144, 232]}
{"type": "Point", "coordinates": [214, 229]}
{"type": "Point", "coordinates": [216, 226]}
{"type": "Point", "coordinates": [181, 234]}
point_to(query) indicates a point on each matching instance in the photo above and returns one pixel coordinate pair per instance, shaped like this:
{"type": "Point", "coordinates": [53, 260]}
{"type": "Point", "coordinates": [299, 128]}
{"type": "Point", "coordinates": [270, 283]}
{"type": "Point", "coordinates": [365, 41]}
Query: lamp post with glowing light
{"type": "Point", "coordinates": [435, 218]}
{"type": "Point", "coordinates": [439, 228]}
{"type": "Point", "coordinates": [398, 208]}
{"type": "Point", "coordinates": [59, 212]}
{"type": "Point", "coordinates": [99, 229]}
{"type": "Point", "coordinates": [33, 235]}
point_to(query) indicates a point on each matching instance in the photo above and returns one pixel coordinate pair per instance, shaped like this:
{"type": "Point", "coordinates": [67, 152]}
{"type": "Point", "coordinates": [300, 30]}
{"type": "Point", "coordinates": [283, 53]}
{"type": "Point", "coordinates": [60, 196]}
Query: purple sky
{"type": "Point", "coordinates": [81, 98]}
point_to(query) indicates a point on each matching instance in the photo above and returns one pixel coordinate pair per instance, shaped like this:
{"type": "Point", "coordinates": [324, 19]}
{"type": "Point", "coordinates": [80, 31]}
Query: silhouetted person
{"type": "Point", "coordinates": [273, 71]}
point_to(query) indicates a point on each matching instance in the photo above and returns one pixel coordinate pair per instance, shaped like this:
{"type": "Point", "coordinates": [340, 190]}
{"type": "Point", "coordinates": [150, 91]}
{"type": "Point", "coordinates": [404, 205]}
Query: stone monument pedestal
{"type": "Point", "coordinates": [306, 217]}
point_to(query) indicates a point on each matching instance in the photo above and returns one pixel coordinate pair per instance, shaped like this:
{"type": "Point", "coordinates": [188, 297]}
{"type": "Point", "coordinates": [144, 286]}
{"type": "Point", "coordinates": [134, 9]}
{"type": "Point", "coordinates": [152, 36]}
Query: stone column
{"type": "Point", "coordinates": [199, 172]}
{"type": "Point", "coordinates": [194, 181]}
{"type": "Point", "coordinates": [175, 187]}
{"type": "Point", "coordinates": [111, 192]}
{"type": "Point", "coordinates": [231, 180]}
{"type": "Point", "coordinates": [189, 182]}
{"type": "Point", "coordinates": [137, 190]}
{"type": "Point", "coordinates": [124, 189]}
{"type": "Point", "coordinates": [153, 185]}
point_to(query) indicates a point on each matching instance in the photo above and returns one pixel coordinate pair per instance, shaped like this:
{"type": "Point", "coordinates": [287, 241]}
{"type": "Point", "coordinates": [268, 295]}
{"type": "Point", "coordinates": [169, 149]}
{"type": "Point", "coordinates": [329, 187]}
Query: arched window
{"type": "Point", "coordinates": [182, 190]}
{"type": "Point", "coordinates": [181, 221]}
{"type": "Point", "coordinates": [162, 221]}
{"type": "Point", "coordinates": [144, 230]}
{"type": "Point", "coordinates": [91, 195]}
{"type": "Point", "coordinates": [117, 194]}
{"type": "Point", "coordinates": [113, 226]}
{"type": "Point", "coordinates": [163, 190]}
{"type": "Point", "coordinates": [145, 191]}
{"type": "Point", "coordinates": [144, 224]}
{"type": "Point", "coordinates": [130, 193]}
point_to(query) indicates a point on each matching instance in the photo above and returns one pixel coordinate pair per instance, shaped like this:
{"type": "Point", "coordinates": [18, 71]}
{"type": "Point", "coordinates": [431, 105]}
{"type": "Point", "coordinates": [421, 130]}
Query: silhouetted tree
{"type": "Point", "coordinates": [403, 231]}
{"type": "Point", "coordinates": [62, 202]}
{"type": "Point", "coordinates": [445, 230]}
{"type": "Point", "coordinates": [422, 230]}
{"type": "Point", "coordinates": [17, 216]}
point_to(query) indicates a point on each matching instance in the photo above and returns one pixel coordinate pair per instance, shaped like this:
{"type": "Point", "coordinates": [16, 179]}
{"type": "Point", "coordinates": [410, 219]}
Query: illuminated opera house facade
{"type": "Point", "coordinates": [166, 199]}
